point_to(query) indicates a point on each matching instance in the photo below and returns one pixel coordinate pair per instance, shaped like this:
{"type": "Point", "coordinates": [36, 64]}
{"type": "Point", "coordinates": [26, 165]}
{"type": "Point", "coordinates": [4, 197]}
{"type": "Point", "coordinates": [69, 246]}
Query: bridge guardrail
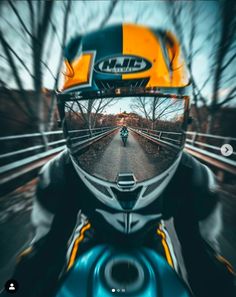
{"type": "Point", "coordinates": [207, 147]}
{"type": "Point", "coordinates": [27, 165]}
{"type": "Point", "coordinates": [208, 151]}
{"type": "Point", "coordinates": [160, 138]}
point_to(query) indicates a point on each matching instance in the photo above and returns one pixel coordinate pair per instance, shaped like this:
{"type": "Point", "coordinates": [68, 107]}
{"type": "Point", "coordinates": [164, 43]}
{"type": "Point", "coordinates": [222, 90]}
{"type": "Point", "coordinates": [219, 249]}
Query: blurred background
{"type": "Point", "coordinates": [33, 36]}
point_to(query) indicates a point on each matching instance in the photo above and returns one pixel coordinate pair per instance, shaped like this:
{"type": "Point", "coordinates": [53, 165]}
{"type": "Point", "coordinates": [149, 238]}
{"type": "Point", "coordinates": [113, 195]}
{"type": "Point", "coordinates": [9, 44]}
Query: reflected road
{"type": "Point", "coordinates": [117, 158]}
{"type": "Point", "coordinates": [141, 157]}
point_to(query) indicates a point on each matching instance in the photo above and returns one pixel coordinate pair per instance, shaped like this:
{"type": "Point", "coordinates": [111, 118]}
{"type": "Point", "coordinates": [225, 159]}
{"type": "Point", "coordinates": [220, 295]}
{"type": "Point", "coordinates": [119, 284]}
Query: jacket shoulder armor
{"type": "Point", "coordinates": [51, 188]}
{"type": "Point", "coordinates": [193, 182]}
{"type": "Point", "coordinates": [202, 178]}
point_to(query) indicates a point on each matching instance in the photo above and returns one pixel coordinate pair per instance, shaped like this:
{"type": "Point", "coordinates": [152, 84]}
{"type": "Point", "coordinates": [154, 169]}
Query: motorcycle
{"type": "Point", "coordinates": [124, 136]}
{"type": "Point", "coordinates": [106, 270]}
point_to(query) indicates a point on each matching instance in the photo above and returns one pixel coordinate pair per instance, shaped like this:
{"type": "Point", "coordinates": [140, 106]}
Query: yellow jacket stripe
{"type": "Point", "coordinates": [76, 245]}
{"type": "Point", "coordinates": [165, 246]}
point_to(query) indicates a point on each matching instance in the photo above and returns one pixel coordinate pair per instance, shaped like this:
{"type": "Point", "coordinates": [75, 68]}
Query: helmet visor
{"type": "Point", "coordinates": [142, 135]}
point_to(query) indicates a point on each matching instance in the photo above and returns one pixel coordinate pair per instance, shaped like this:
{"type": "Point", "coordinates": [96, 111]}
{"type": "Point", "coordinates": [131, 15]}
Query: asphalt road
{"type": "Point", "coordinates": [131, 158]}
{"type": "Point", "coordinates": [139, 156]}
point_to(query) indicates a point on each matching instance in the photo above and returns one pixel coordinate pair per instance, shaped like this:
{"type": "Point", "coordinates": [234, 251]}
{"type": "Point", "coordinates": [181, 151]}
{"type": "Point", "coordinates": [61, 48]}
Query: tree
{"type": "Point", "coordinates": [37, 28]}
{"type": "Point", "coordinates": [178, 11]}
{"type": "Point", "coordinates": [224, 62]}
{"type": "Point", "coordinates": [88, 110]}
{"type": "Point", "coordinates": [156, 108]}
{"type": "Point", "coordinates": [220, 38]}
{"type": "Point", "coordinates": [34, 29]}
{"type": "Point", "coordinates": [36, 34]}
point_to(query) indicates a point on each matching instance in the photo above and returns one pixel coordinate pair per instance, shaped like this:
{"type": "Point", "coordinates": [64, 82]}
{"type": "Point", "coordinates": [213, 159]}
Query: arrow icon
{"type": "Point", "coordinates": [226, 150]}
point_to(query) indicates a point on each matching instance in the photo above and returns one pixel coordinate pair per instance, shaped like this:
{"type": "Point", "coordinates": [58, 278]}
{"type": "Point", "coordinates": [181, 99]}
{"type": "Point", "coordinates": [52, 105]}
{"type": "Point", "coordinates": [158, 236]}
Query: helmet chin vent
{"type": "Point", "coordinates": [127, 199]}
{"type": "Point", "coordinates": [126, 181]}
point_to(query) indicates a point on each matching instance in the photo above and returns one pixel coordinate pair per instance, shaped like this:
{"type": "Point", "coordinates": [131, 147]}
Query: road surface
{"type": "Point", "coordinates": [136, 157]}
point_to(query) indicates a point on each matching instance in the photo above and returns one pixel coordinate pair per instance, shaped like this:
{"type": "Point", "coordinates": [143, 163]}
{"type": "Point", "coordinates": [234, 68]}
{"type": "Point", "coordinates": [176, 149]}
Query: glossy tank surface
{"type": "Point", "coordinates": [108, 271]}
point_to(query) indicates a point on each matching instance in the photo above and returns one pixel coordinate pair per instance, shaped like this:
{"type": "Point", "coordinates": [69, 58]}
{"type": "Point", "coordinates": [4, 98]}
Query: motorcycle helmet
{"type": "Point", "coordinates": [125, 75]}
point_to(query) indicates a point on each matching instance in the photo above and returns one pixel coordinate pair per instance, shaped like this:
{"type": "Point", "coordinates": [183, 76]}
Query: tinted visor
{"type": "Point", "coordinates": [141, 135]}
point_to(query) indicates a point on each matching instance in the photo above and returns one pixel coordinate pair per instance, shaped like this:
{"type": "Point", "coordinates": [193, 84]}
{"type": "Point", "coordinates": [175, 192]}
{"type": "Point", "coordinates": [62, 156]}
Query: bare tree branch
{"type": "Point", "coordinates": [109, 13]}
{"type": "Point", "coordinates": [32, 16]}
{"type": "Point", "coordinates": [19, 59]}
{"type": "Point", "coordinates": [231, 95]}
{"type": "Point", "coordinates": [228, 62]}
{"type": "Point", "coordinates": [63, 42]}
{"type": "Point", "coordinates": [16, 76]}
{"type": "Point", "coordinates": [19, 18]}
{"type": "Point", "coordinates": [14, 28]}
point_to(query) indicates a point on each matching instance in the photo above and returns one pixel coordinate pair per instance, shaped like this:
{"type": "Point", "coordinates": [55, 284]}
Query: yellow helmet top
{"type": "Point", "coordinates": [126, 55]}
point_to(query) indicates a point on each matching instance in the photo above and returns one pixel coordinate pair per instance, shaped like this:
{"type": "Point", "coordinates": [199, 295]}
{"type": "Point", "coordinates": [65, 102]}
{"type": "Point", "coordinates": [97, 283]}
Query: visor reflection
{"type": "Point", "coordinates": [141, 135]}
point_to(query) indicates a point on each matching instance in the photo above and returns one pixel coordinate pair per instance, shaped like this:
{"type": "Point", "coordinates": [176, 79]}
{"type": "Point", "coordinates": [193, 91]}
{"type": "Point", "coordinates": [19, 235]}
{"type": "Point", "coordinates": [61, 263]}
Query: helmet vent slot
{"type": "Point", "coordinates": [100, 188]}
{"type": "Point", "coordinates": [153, 186]}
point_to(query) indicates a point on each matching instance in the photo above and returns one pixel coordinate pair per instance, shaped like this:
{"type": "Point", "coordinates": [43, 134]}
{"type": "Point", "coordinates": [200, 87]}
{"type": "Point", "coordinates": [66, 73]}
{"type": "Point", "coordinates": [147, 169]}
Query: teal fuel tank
{"type": "Point", "coordinates": [106, 271]}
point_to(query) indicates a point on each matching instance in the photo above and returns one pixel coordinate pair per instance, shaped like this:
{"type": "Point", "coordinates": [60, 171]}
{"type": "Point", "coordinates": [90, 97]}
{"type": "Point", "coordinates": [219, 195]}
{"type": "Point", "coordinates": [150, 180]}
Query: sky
{"type": "Point", "coordinates": [87, 15]}
{"type": "Point", "coordinates": [169, 108]}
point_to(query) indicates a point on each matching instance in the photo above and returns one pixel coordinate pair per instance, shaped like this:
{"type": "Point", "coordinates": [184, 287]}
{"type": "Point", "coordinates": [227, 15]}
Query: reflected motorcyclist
{"type": "Point", "coordinates": [124, 132]}
{"type": "Point", "coordinates": [70, 206]}
{"type": "Point", "coordinates": [124, 129]}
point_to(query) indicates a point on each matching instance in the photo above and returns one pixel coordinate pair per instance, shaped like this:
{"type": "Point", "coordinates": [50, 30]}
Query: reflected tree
{"type": "Point", "coordinates": [156, 108]}
{"type": "Point", "coordinates": [89, 110]}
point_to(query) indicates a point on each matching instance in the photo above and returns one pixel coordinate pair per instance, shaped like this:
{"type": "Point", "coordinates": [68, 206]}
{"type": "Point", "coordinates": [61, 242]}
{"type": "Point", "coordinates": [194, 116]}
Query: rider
{"type": "Point", "coordinates": [77, 208]}
{"type": "Point", "coordinates": [124, 133]}
{"type": "Point", "coordinates": [123, 129]}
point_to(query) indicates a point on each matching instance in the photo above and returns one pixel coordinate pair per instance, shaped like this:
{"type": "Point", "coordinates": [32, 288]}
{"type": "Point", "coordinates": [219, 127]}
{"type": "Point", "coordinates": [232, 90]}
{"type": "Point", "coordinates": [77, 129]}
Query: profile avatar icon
{"type": "Point", "coordinates": [11, 286]}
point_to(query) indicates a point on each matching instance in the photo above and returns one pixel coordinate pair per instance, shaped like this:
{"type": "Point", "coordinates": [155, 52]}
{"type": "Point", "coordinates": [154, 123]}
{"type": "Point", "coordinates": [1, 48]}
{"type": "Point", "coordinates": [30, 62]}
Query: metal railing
{"type": "Point", "coordinates": [170, 139]}
{"type": "Point", "coordinates": [27, 159]}
{"type": "Point", "coordinates": [206, 147]}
